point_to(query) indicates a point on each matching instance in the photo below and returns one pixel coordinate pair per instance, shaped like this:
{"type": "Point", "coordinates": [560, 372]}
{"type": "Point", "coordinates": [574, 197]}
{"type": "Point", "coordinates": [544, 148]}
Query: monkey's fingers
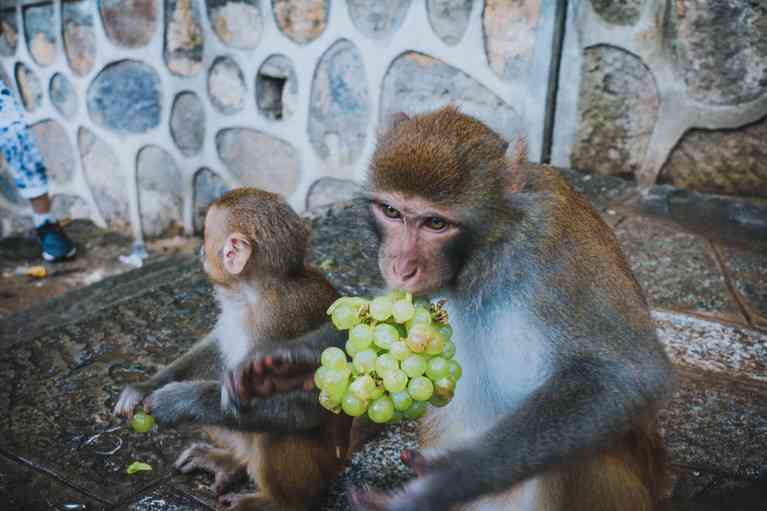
{"type": "Point", "coordinates": [263, 387]}
{"type": "Point", "coordinates": [234, 388]}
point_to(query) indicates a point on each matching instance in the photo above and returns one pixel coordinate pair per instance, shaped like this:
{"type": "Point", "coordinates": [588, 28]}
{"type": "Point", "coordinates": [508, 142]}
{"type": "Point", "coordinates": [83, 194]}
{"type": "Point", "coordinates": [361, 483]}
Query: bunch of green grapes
{"type": "Point", "coordinates": [398, 359]}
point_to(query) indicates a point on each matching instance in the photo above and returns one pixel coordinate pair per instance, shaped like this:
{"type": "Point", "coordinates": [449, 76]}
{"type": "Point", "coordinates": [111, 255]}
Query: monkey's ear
{"type": "Point", "coordinates": [237, 251]}
{"type": "Point", "coordinates": [517, 160]}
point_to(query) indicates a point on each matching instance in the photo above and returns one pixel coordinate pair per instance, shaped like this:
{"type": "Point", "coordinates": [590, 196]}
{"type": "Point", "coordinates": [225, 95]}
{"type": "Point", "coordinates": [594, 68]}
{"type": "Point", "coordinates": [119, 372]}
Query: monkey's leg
{"type": "Point", "coordinates": [225, 468]}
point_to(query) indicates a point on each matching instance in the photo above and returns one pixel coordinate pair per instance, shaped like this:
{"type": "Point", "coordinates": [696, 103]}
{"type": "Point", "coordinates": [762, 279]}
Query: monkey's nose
{"type": "Point", "coordinates": [405, 271]}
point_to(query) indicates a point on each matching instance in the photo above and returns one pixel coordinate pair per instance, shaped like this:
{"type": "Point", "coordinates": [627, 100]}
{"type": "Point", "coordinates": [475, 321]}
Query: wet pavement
{"type": "Point", "coordinates": [63, 363]}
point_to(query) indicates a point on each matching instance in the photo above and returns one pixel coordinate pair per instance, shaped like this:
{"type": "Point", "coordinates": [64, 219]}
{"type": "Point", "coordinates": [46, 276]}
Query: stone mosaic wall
{"type": "Point", "coordinates": [667, 91]}
{"type": "Point", "coordinates": [147, 110]}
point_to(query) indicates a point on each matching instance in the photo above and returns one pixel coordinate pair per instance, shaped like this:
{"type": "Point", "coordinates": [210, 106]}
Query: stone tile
{"type": "Point", "coordinates": [302, 21]}
{"type": "Point", "coordinates": [129, 22]}
{"type": "Point", "coordinates": [717, 423]}
{"type": "Point", "coordinates": [747, 269]}
{"type": "Point", "coordinates": [449, 20]}
{"type": "Point", "coordinates": [328, 190]}
{"type": "Point", "coordinates": [378, 19]}
{"type": "Point", "coordinates": [624, 12]}
{"type": "Point", "coordinates": [509, 29]}
{"type": "Point", "coordinates": [674, 268]}
{"type": "Point", "coordinates": [24, 488]}
{"type": "Point", "coordinates": [735, 351]}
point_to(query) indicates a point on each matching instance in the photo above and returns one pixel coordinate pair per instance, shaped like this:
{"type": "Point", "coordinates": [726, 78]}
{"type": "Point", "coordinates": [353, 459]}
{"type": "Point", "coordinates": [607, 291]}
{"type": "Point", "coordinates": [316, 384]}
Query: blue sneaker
{"type": "Point", "coordinates": [56, 245]}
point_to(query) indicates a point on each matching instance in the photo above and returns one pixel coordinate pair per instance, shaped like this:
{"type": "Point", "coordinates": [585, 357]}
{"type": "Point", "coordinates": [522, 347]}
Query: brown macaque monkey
{"type": "Point", "coordinates": [253, 253]}
{"type": "Point", "coordinates": [562, 369]}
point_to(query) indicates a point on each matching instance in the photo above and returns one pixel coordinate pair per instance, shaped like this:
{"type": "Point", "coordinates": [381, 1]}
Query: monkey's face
{"type": "Point", "coordinates": [417, 240]}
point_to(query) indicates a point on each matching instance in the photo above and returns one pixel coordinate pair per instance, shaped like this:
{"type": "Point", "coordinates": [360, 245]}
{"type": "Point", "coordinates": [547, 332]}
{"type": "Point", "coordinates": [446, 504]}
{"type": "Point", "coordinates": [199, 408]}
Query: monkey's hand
{"type": "Point", "coordinates": [421, 494]}
{"type": "Point", "coordinates": [179, 402]}
{"type": "Point", "coordinates": [262, 377]}
{"type": "Point", "coordinates": [130, 397]}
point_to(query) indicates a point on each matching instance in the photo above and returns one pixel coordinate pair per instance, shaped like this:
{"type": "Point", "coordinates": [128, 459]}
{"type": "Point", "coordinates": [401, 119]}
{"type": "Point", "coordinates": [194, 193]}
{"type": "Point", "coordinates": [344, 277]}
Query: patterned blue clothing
{"type": "Point", "coordinates": [19, 148]}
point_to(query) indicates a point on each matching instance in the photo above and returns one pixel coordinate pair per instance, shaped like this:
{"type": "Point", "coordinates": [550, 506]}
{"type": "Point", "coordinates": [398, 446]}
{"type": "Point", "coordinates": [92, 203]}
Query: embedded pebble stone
{"type": "Point", "coordinates": [160, 192]}
{"type": "Point", "coordinates": [9, 32]}
{"type": "Point", "coordinates": [377, 19]}
{"type": "Point", "coordinates": [129, 23]}
{"type": "Point", "coordinates": [329, 190]}
{"type": "Point", "coordinates": [618, 12]}
{"type": "Point", "coordinates": [510, 29]}
{"type": "Point", "coordinates": [276, 88]}
{"type": "Point", "coordinates": [57, 152]}
{"type": "Point", "coordinates": [187, 123]}
{"type": "Point", "coordinates": [63, 95]}
{"type": "Point", "coordinates": [720, 50]}
{"type": "Point", "coordinates": [30, 88]}
{"type": "Point", "coordinates": [259, 160]}
{"type": "Point", "coordinates": [238, 23]}
{"type": "Point", "coordinates": [40, 32]}
{"type": "Point", "coordinates": [302, 21]}
{"type": "Point", "coordinates": [417, 83]}
{"type": "Point", "coordinates": [79, 36]}
{"type": "Point", "coordinates": [226, 86]}
{"type": "Point", "coordinates": [69, 207]}
{"type": "Point", "coordinates": [183, 37]}
{"type": "Point", "coordinates": [339, 104]}
{"type": "Point", "coordinates": [208, 186]}
{"type": "Point", "coordinates": [449, 18]}
{"type": "Point", "coordinates": [126, 97]}
{"type": "Point", "coordinates": [105, 179]}
{"type": "Point", "coordinates": [618, 108]}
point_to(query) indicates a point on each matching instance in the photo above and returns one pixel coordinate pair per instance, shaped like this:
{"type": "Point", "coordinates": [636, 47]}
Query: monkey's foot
{"type": "Point", "coordinates": [219, 462]}
{"type": "Point", "coordinates": [246, 502]}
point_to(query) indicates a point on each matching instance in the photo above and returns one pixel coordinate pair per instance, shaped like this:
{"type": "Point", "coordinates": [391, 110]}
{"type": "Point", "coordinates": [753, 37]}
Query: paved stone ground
{"type": "Point", "coordinates": [63, 363]}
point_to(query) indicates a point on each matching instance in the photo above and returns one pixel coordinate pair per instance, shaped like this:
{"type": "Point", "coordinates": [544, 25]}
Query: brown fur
{"type": "Point", "coordinates": [292, 471]}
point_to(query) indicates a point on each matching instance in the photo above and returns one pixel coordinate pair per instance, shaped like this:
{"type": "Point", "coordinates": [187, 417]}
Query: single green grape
{"type": "Point", "coordinates": [384, 335]}
{"type": "Point", "coordinates": [381, 410]}
{"type": "Point", "coordinates": [320, 377]}
{"type": "Point", "coordinates": [444, 388]}
{"type": "Point", "coordinates": [403, 310]}
{"type": "Point", "coordinates": [414, 365]}
{"type": "Point", "coordinates": [399, 350]}
{"type": "Point", "coordinates": [395, 380]}
{"type": "Point", "coordinates": [363, 387]}
{"type": "Point", "coordinates": [402, 400]}
{"type": "Point", "coordinates": [421, 315]}
{"type": "Point", "coordinates": [328, 403]}
{"type": "Point", "coordinates": [386, 362]}
{"type": "Point", "coordinates": [333, 358]}
{"type": "Point", "coordinates": [420, 388]}
{"type": "Point", "coordinates": [352, 405]}
{"type": "Point", "coordinates": [418, 337]}
{"type": "Point", "coordinates": [349, 348]}
{"type": "Point", "coordinates": [360, 336]}
{"type": "Point", "coordinates": [337, 381]}
{"type": "Point", "coordinates": [454, 370]}
{"type": "Point", "coordinates": [436, 343]}
{"type": "Point", "coordinates": [416, 410]}
{"type": "Point", "coordinates": [381, 308]}
{"type": "Point", "coordinates": [345, 316]}
{"type": "Point", "coordinates": [448, 351]}
{"type": "Point", "coordinates": [365, 361]}
{"type": "Point", "coordinates": [437, 368]}
{"type": "Point", "coordinates": [142, 422]}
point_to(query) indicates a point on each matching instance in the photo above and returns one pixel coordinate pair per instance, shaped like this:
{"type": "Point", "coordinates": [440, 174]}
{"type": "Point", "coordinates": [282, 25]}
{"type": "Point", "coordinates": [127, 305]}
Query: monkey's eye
{"type": "Point", "coordinates": [436, 223]}
{"type": "Point", "coordinates": [390, 212]}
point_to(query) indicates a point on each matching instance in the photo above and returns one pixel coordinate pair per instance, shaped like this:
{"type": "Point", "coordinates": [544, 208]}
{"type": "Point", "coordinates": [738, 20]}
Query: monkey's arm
{"type": "Point", "coordinates": [201, 361]}
{"type": "Point", "coordinates": [199, 402]}
{"type": "Point", "coordinates": [577, 411]}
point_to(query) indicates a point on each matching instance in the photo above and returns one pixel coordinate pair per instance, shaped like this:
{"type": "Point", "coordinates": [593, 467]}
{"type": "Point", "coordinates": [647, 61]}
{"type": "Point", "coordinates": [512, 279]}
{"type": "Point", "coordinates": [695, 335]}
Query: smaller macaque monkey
{"type": "Point", "coordinates": [254, 255]}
